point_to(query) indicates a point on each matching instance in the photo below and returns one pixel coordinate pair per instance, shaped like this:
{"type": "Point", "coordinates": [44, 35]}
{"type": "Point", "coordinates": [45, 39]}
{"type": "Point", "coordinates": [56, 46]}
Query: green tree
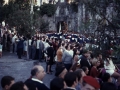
{"type": "Point", "coordinates": [22, 20]}
{"type": "Point", "coordinates": [48, 9]}
{"type": "Point", "coordinates": [17, 13]}
{"type": "Point", "coordinates": [8, 9]}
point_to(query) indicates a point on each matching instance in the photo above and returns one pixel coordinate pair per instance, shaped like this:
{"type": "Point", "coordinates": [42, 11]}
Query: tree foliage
{"type": "Point", "coordinates": [99, 7]}
{"type": "Point", "coordinates": [17, 14]}
{"type": "Point", "coordinates": [44, 26]}
{"type": "Point", "coordinates": [21, 20]}
{"type": "Point", "coordinates": [48, 9]}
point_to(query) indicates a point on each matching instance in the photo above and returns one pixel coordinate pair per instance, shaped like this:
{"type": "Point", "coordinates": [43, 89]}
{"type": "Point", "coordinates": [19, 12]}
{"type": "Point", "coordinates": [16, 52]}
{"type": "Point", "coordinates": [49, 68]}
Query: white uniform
{"type": "Point", "coordinates": [110, 68]}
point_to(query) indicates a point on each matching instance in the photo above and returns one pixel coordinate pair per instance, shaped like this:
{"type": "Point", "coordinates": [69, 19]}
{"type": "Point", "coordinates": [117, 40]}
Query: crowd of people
{"type": "Point", "coordinates": [76, 67]}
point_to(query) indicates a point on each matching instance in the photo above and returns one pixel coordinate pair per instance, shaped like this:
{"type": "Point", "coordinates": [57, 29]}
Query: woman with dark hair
{"type": "Point", "coordinates": [85, 69]}
{"type": "Point", "coordinates": [50, 57]}
{"type": "Point", "coordinates": [75, 59]}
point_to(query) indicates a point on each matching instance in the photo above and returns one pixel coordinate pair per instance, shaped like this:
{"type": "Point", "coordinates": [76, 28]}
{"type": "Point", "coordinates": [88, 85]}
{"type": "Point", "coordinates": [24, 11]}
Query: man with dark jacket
{"type": "Point", "coordinates": [20, 48]}
{"type": "Point", "coordinates": [41, 49]}
{"type": "Point", "coordinates": [38, 74]}
{"type": "Point", "coordinates": [84, 60]}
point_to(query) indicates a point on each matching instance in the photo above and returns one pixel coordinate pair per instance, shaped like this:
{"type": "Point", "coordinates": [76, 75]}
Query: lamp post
{"type": "Point", "coordinates": [31, 29]}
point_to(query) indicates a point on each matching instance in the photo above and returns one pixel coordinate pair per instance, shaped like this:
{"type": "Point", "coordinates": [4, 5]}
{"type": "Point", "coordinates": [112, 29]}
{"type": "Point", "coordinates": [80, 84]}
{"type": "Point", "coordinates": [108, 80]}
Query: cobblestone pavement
{"type": "Point", "coordinates": [20, 68]}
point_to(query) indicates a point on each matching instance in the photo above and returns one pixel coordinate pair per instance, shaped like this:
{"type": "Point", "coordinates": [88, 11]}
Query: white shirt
{"type": "Point", "coordinates": [46, 45]}
{"type": "Point", "coordinates": [110, 65]}
{"type": "Point", "coordinates": [70, 52]}
{"type": "Point", "coordinates": [13, 39]}
{"type": "Point", "coordinates": [34, 79]}
{"type": "Point", "coordinates": [30, 41]}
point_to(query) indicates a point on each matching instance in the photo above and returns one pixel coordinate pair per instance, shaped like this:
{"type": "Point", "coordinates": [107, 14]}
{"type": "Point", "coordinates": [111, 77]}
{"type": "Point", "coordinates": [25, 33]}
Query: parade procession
{"type": "Point", "coordinates": [60, 44]}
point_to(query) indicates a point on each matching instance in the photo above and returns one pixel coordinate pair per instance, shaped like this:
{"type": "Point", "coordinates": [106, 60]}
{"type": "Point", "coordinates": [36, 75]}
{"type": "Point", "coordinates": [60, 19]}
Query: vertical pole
{"type": "Point", "coordinates": [31, 14]}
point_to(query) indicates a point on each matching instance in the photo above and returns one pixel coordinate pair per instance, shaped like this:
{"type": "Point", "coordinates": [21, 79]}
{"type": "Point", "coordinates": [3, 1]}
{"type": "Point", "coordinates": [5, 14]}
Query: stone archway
{"type": "Point", "coordinates": [61, 26]}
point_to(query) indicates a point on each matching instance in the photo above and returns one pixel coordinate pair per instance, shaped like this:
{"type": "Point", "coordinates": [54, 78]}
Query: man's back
{"type": "Point", "coordinates": [40, 86]}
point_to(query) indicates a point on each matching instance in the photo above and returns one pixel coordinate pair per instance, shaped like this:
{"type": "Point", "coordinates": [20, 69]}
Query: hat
{"type": "Point", "coordinates": [91, 81]}
{"type": "Point", "coordinates": [59, 70]}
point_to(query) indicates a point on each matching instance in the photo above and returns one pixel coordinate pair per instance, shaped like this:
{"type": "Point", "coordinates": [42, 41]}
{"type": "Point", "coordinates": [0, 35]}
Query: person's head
{"type": "Point", "coordinates": [71, 79]}
{"type": "Point", "coordinates": [108, 86]}
{"type": "Point", "coordinates": [106, 77]}
{"type": "Point", "coordinates": [90, 83]}
{"type": "Point", "coordinates": [53, 39]}
{"type": "Point", "coordinates": [38, 72]}
{"type": "Point", "coordinates": [50, 44]}
{"type": "Point", "coordinates": [75, 52]}
{"type": "Point", "coordinates": [67, 47]}
{"type": "Point", "coordinates": [85, 69]}
{"type": "Point", "coordinates": [63, 44]}
{"type": "Point", "coordinates": [7, 82]}
{"type": "Point", "coordinates": [99, 55]}
{"type": "Point", "coordinates": [80, 74]}
{"type": "Point", "coordinates": [95, 62]}
{"type": "Point", "coordinates": [57, 84]}
{"type": "Point", "coordinates": [60, 71]}
{"type": "Point", "coordinates": [19, 86]}
{"type": "Point", "coordinates": [71, 47]}
{"type": "Point", "coordinates": [86, 53]}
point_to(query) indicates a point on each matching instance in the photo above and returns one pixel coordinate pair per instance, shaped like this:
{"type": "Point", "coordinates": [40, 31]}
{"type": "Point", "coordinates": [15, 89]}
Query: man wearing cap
{"type": "Point", "coordinates": [89, 83]}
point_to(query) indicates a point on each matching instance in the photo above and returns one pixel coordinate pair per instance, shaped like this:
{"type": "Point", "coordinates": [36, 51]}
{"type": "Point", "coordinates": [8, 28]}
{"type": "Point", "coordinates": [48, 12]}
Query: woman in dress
{"type": "Point", "coordinates": [33, 48]}
{"type": "Point", "coordinates": [94, 71]}
{"type": "Point", "coordinates": [25, 46]}
{"type": "Point", "coordinates": [75, 59]}
{"type": "Point", "coordinates": [110, 68]}
{"type": "Point", "coordinates": [50, 57]}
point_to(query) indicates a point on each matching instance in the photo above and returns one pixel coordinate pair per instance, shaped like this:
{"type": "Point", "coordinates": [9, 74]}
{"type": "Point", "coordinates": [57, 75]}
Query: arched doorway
{"type": "Point", "coordinates": [61, 26]}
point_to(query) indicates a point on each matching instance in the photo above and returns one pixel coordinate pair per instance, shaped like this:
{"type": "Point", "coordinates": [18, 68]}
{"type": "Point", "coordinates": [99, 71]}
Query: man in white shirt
{"type": "Point", "coordinates": [13, 42]}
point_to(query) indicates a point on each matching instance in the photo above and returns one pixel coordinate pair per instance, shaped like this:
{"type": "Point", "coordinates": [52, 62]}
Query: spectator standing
{"type": "Point", "coordinates": [50, 57]}
{"type": "Point", "coordinates": [7, 82]}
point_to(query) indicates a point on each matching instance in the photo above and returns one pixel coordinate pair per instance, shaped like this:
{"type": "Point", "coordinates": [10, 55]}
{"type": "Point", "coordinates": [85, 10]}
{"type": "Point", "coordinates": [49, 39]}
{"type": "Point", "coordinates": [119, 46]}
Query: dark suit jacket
{"type": "Point", "coordinates": [40, 86]}
{"type": "Point", "coordinates": [20, 44]}
{"type": "Point", "coordinates": [84, 62]}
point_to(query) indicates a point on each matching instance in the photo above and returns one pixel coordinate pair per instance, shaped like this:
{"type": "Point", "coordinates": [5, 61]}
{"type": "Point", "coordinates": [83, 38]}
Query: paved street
{"type": "Point", "coordinates": [20, 68]}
